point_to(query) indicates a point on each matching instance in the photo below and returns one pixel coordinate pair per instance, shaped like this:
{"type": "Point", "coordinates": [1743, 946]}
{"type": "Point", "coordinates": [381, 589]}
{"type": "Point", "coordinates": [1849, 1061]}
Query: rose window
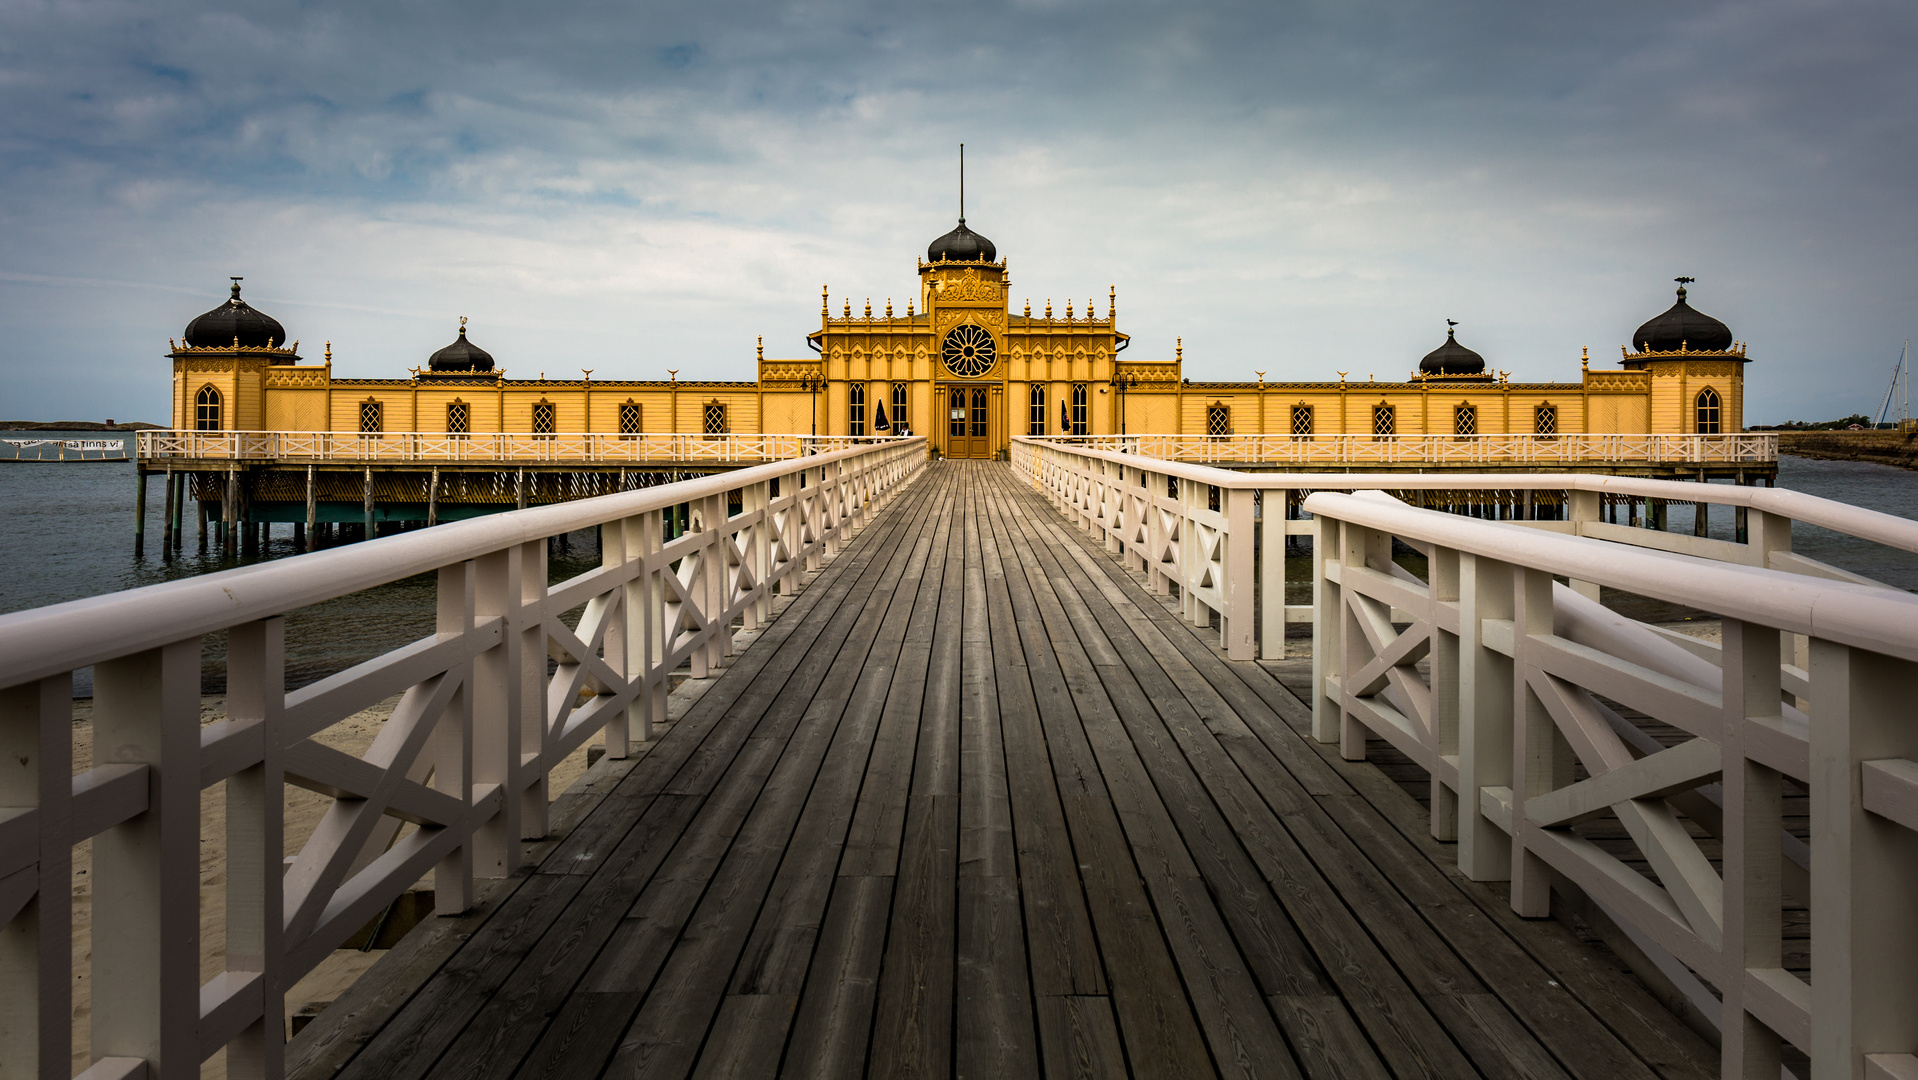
{"type": "Point", "coordinates": [969, 352]}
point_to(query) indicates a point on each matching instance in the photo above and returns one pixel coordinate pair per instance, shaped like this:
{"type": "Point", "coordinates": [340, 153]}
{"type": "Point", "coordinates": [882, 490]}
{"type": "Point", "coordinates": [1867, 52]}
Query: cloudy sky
{"type": "Point", "coordinates": [1298, 188]}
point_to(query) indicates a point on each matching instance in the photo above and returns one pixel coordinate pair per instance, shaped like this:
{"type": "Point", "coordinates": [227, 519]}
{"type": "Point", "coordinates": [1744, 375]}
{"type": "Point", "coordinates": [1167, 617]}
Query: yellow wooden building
{"type": "Point", "coordinates": [961, 365]}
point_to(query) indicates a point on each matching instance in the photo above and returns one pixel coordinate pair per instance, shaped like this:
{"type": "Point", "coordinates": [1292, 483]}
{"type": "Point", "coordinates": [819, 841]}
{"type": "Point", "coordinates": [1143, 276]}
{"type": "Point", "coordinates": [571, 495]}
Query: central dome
{"type": "Point", "coordinates": [1452, 358]}
{"type": "Point", "coordinates": [235, 323]}
{"type": "Point", "coordinates": [961, 245]}
{"type": "Point", "coordinates": [1681, 326]}
{"type": "Point", "coordinates": [461, 355]}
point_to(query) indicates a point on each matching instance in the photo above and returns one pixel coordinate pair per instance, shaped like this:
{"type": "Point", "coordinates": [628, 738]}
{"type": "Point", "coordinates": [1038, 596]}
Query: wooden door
{"type": "Point", "coordinates": [968, 422]}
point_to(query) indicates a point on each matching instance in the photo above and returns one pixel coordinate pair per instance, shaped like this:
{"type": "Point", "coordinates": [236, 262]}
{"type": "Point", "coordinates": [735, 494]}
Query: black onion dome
{"type": "Point", "coordinates": [461, 355]}
{"type": "Point", "coordinates": [1452, 358]}
{"type": "Point", "coordinates": [235, 322]}
{"type": "Point", "coordinates": [1682, 326]}
{"type": "Point", "coordinates": [961, 245]}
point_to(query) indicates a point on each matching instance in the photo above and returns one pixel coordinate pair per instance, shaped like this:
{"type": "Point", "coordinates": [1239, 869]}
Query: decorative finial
{"type": "Point", "coordinates": [888, 307]}
{"type": "Point", "coordinates": [1091, 311]}
{"type": "Point", "coordinates": [1048, 309]}
{"type": "Point", "coordinates": [236, 290]}
{"type": "Point", "coordinates": [1068, 309]}
{"type": "Point", "coordinates": [1178, 350]}
{"type": "Point", "coordinates": [962, 183]}
{"type": "Point", "coordinates": [848, 307]}
{"type": "Point", "coordinates": [909, 306]}
{"type": "Point", "coordinates": [1261, 376]}
{"type": "Point", "coordinates": [462, 326]}
{"type": "Point", "coordinates": [1342, 378]}
{"type": "Point", "coordinates": [329, 352]}
{"type": "Point", "coordinates": [171, 346]}
{"type": "Point", "coordinates": [824, 310]}
{"type": "Point", "coordinates": [296, 346]}
{"type": "Point", "coordinates": [672, 373]}
{"type": "Point", "coordinates": [869, 309]}
{"type": "Point", "coordinates": [588, 373]}
{"type": "Point", "coordinates": [1112, 301]}
{"type": "Point", "coordinates": [236, 341]}
{"type": "Point", "coordinates": [762, 347]}
{"type": "Point", "coordinates": [1585, 358]}
{"type": "Point", "coordinates": [1028, 307]}
{"type": "Point", "coordinates": [1682, 282]}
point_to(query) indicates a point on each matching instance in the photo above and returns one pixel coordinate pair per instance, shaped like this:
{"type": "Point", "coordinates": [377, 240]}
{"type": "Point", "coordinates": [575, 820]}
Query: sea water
{"type": "Point", "coordinates": [66, 532]}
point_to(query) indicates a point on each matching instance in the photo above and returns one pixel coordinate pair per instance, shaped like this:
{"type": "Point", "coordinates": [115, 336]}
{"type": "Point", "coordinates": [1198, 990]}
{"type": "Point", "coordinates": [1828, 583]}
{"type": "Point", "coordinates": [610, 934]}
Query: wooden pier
{"type": "Point", "coordinates": [976, 804]}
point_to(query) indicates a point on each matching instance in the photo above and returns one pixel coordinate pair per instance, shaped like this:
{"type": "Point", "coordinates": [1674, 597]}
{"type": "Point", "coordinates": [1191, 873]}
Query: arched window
{"type": "Point", "coordinates": [1036, 413]}
{"type": "Point", "coordinates": [856, 409]}
{"type": "Point", "coordinates": [543, 418]}
{"type": "Point", "coordinates": [1301, 420]}
{"type": "Point", "coordinates": [1464, 420]}
{"type": "Point", "coordinates": [1545, 420]}
{"type": "Point", "coordinates": [372, 418]}
{"type": "Point", "coordinates": [1079, 426]}
{"type": "Point", "coordinates": [980, 413]}
{"type": "Point", "coordinates": [206, 409]}
{"type": "Point", "coordinates": [1707, 412]}
{"type": "Point", "coordinates": [1384, 420]}
{"type": "Point", "coordinates": [458, 418]}
{"type": "Point", "coordinates": [629, 418]}
{"type": "Point", "coordinates": [899, 408]}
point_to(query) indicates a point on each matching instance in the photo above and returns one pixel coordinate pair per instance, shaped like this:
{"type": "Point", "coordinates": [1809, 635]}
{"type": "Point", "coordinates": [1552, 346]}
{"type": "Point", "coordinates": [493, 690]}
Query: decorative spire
{"type": "Point", "coordinates": [1178, 351]}
{"type": "Point", "coordinates": [848, 307]}
{"type": "Point", "coordinates": [1585, 358]}
{"type": "Point", "coordinates": [909, 306]}
{"type": "Point", "coordinates": [329, 352]}
{"type": "Point", "coordinates": [1048, 309]}
{"type": "Point", "coordinates": [962, 183]}
{"type": "Point", "coordinates": [888, 307]}
{"type": "Point", "coordinates": [868, 309]}
{"type": "Point", "coordinates": [825, 312]}
{"type": "Point", "coordinates": [762, 347]}
{"type": "Point", "coordinates": [1068, 309]}
{"type": "Point", "coordinates": [1112, 301]}
{"type": "Point", "coordinates": [1028, 307]}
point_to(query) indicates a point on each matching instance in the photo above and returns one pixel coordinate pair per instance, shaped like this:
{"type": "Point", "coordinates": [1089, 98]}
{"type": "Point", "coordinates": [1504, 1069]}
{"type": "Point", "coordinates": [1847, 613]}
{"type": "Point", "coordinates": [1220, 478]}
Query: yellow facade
{"type": "Point", "coordinates": [971, 372]}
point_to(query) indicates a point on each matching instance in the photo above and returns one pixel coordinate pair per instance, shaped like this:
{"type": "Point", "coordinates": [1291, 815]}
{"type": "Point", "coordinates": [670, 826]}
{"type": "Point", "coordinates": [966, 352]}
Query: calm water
{"type": "Point", "coordinates": [67, 532]}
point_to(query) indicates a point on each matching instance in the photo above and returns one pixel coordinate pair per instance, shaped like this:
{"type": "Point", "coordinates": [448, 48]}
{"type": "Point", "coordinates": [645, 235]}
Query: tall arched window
{"type": "Point", "coordinates": [899, 408]}
{"type": "Point", "coordinates": [1079, 418]}
{"type": "Point", "coordinates": [1036, 412]}
{"type": "Point", "coordinates": [856, 409]}
{"type": "Point", "coordinates": [1708, 412]}
{"type": "Point", "coordinates": [206, 409]}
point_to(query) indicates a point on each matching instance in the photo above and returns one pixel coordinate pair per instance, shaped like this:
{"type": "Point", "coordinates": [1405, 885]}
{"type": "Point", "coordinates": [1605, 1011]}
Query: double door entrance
{"type": "Point", "coordinates": [968, 421]}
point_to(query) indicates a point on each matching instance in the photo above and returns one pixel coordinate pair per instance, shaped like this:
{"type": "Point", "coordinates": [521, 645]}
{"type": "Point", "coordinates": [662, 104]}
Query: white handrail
{"type": "Point", "coordinates": [488, 447]}
{"type": "Point", "coordinates": [1195, 527]}
{"type": "Point", "coordinates": [465, 756]}
{"type": "Point", "coordinates": [1503, 449]}
{"type": "Point", "coordinates": [1523, 678]}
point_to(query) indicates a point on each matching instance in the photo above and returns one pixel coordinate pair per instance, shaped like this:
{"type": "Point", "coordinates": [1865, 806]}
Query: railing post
{"type": "Point", "coordinates": [452, 746]}
{"type": "Point", "coordinates": [1534, 738]}
{"type": "Point", "coordinates": [1328, 547]}
{"type": "Point", "coordinates": [1753, 856]}
{"type": "Point", "coordinates": [1275, 504]}
{"type": "Point", "coordinates": [36, 946]}
{"type": "Point", "coordinates": [1485, 694]}
{"type": "Point", "coordinates": [1864, 868]}
{"type": "Point", "coordinates": [498, 701]}
{"type": "Point", "coordinates": [146, 871]}
{"type": "Point", "coordinates": [1582, 508]}
{"type": "Point", "coordinates": [1362, 547]}
{"type": "Point", "coordinates": [1238, 590]}
{"type": "Point", "coordinates": [1443, 578]}
{"type": "Point", "coordinates": [255, 807]}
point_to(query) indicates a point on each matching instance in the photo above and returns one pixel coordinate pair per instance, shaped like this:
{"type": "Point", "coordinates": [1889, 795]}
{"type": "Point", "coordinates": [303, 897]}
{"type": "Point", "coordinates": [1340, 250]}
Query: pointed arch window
{"type": "Point", "coordinates": [899, 424]}
{"type": "Point", "coordinates": [459, 418]}
{"type": "Point", "coordinates": [1708, 412]}
{"type": "Point", "coordinates": [1301, 421]}
{"type": "Point", "coordinates": [543, 420]}
{"type": "Point", "coordinates": [1036, 410]}
{"type": "Point", "coordinates": [1384, 421]}
{"type": "Point", "coordinates": [715, 418]}
{"type": "Point", "coordinates": [856, 409]}
{"type": "Point", "coordinates": [372, 418]}
{"type": "Point", "coordinates": [206, 409]}
{"type": "Point", "coordinates": [1545, 420]}
{"type": "Point", "coordinates": [629, 419]}
{"type": "Point", "coordinates": [1218, 419]}
{"type": "Point", "coordinates": [1079, 418]}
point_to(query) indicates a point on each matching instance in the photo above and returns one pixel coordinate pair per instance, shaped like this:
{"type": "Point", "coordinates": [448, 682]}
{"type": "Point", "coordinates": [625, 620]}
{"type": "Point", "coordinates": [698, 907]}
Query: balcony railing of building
{"type": "Point", "coordinates": [485, 448]}
{"type": "Point", "coordinates": [1532, 708]}
{"type": "Point", "coordinates": [456, 778]}
{"type": "Point", "coordinates": [1367, 449]}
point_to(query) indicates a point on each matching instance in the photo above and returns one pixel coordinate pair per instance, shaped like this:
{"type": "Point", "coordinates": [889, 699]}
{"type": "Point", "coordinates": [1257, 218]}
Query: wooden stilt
{"type": "Point", "coordinates": [166, 516]}
{"type": "Point", "coordinates": [312, 510]}
{"type": "Point", "coordinates": [139, 510]}
{"type": "Point", "coordinates": [368, 496]}
{"type": "Point", "coordinates": [180, 484]}
{"type": "Point", "coordinates": [519, 489]}
{"type": "Point", "coordinates": [230, 513]}
{"type": "Point", "coordinates": [200, 506]}
{"type": "Point", "coordinates": [433, 499]}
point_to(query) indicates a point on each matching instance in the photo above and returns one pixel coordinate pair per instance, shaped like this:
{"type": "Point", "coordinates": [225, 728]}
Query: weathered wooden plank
{"type": "Point", "coordinates": [1080, 1038]}
{"type": "Point", "coordinates": [912, 1032]}
{"type": "Point", "coordinates": [748, 1037]}
{"type": "Point", "coordinates": [1326, 1038]}
{"type": "Point", "coordinates": [833, 1027]}
{"type": "Point", "coordinates": [994, 1036]}
{"type": "Point", "coordinates": [580, 1038]}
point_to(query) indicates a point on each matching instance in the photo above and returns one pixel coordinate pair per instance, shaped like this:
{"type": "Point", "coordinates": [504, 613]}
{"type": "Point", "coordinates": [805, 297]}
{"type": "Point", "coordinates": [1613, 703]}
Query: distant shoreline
{"type": "Point", "coordinates": [76, 425]}
{"type": "Point", "coordinates": [1897, 449]}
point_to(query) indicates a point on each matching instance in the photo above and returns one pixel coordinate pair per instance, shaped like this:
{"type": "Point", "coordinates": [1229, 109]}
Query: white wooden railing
{"type": "Point", "coordinates": [1193, 527]}
{"type": "Point", "coordinates": [1528, 704]}
{"type": "Point", "coordinates": [1520, 449]}
{"type": "Point", "coordinates": [464, 758]}
{"type": "Point", "coordinates": [486, 447]}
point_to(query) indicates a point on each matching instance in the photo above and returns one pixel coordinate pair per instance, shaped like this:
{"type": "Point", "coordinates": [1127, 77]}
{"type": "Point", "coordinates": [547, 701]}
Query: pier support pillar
{"type": "Point", "coordinates": [166, 516]}
{"type": "Point", "coordinates": [433, 499]}
{"type": "Point", "coordinates": [139, 510]}
{"type": "Point", "coordinates": [200, 505]}
{"type": "Point", "coordinates": [367, 493]}
{"type": "Point", "coordinates": [519, 490]}
{"type": "Point", "coordinates": [180, 482]}
{"type": "Point", "coordinates": [312, 511]}
{"type": "Point", "coordinates": [230, 513]}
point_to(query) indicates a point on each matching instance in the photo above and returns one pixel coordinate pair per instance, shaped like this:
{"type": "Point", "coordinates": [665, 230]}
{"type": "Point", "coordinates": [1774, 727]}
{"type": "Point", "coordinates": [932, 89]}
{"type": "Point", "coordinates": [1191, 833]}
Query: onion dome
{"type": "Point", "coordinates": [961, 245]}
{"type": "Point", "coordinates": [1680, 326]}
{"type": "Point", "coordinates": [235, 323]}
{"type": "Point", "coordinates": [1452, 358]}
{"type": "Point", "coordinates": [461, 355]}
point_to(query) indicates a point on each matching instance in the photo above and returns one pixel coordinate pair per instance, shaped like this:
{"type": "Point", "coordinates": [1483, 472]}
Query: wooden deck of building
{"type": "Point", "coordinates": [975, 804]}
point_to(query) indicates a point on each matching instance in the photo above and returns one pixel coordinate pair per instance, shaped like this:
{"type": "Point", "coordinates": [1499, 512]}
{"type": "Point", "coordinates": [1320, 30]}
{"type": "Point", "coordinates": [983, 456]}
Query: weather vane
{"type": "Point", "coordinates": [462, 324]}
{"type": "Point", "coordinates": [1451, 322]}
{"type": "Point", "coordinates": [1684, 280]}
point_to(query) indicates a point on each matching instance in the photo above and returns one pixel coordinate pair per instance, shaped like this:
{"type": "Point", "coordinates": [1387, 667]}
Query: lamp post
{"type": "Point", "coordinates": [814, 384]}
{"type": "Point", "coordinates": [1125, 381]}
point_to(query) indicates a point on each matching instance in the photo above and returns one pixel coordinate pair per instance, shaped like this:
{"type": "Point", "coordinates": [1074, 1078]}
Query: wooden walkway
{"type": "Point", "coordinates": [977, 805]}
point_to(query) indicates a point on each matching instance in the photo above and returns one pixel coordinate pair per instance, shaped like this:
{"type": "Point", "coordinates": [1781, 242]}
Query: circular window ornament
{"type": "Point", "coordinates": [969, 352]}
